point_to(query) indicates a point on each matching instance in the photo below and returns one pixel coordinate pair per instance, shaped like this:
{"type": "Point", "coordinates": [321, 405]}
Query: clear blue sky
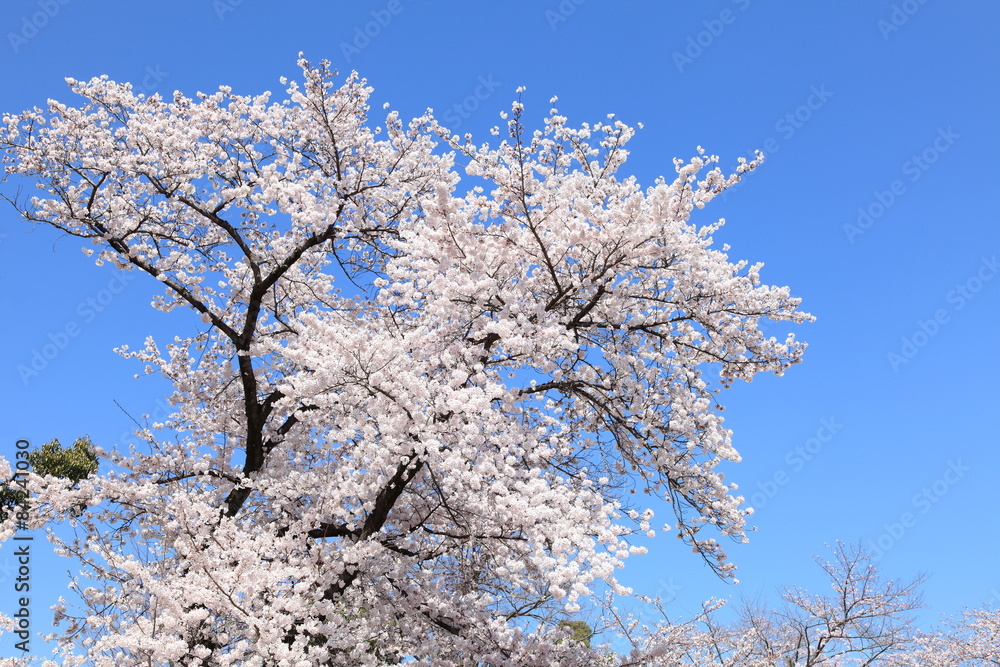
{"type": "Point", "coordinates": [873, 205]}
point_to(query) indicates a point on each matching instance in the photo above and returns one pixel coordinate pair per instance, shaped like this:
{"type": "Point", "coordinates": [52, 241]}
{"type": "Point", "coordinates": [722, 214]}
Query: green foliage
{"type": "Point", "coordinates": [582, 632]}
{"type": "Point", "coordinates": [9, 499]}
{"type": "Point", "coordinates": [74, 463]}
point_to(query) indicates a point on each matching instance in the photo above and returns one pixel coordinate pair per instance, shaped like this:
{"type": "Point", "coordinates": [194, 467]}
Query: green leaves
{"type": "Point", "coordinates": [76, 463]}
{"type": "Point", "coordinates": [73, 463]}
{"type": "Point", "coordinates": [582, 632]}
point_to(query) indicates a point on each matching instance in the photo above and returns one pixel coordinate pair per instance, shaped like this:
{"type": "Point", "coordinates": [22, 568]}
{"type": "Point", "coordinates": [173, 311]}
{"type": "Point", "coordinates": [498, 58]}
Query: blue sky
{"type": "Point", "coordinates": [872, 205]}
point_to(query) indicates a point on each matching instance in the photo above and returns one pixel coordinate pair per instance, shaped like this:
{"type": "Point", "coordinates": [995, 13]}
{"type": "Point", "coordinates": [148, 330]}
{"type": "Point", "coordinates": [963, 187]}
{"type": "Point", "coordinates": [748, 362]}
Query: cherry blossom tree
{"type": "Point", "coordinates": [978, 634]}
{"type": "Point", "coordinates": [970, 640]}
{"type": "Point", "coordinates": [865, 621]}
{"type": "Point", "coordinates": [413, 420]}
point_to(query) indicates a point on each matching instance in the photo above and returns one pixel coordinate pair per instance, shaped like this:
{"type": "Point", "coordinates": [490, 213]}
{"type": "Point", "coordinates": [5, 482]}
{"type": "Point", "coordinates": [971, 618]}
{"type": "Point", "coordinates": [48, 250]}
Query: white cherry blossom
{"type": "Point", "coordinates": [412, 418]}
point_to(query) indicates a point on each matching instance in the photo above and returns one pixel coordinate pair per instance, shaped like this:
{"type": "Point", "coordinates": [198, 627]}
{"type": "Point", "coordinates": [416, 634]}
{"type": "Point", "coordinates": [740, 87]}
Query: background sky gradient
{"type": "Point", "coordinates": [873, 205]}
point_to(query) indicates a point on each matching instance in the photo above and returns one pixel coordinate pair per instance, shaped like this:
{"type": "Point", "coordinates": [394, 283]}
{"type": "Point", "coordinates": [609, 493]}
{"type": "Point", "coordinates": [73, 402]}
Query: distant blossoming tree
{"type": "Point", "coordinates": [867, 621]}
{"type": "Point", "coordinates": [410, 424]}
